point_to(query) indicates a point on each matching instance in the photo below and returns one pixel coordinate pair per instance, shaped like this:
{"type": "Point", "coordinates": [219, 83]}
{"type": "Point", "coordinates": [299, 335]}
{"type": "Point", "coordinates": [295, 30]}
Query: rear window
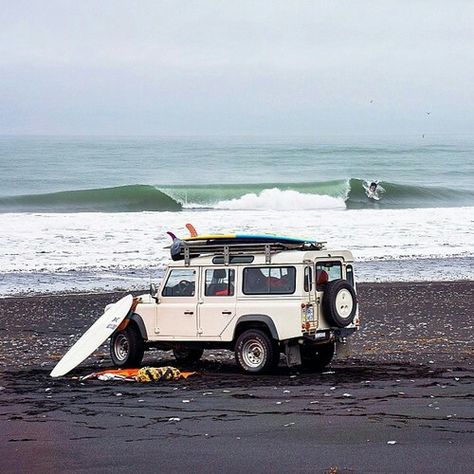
{"type": "Point", "coordinates": [269, 280]}
{"type": "Point", "coordinates": [308, 279]}
{"type": "Point", "coordinates": [350, 275]}
{"type": "Point", "coordinates": [326, 272]}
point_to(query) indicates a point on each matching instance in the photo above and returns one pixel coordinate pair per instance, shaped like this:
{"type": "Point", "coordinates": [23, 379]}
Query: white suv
{"type": "Point", "coordinates": [256, 303]}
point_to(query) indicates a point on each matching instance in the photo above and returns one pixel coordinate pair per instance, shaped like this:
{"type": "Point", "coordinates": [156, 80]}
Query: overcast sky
{"type": "Point", "coordinates": [236, 67]}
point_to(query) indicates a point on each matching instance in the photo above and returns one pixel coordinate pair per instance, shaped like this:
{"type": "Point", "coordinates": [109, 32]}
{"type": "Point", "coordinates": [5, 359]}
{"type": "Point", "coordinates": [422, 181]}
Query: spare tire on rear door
{"type": "Point", "coordinates": [339, 303]}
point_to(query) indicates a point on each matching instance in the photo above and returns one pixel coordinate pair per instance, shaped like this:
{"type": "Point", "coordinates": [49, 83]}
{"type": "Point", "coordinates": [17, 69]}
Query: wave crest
{"type": "Point", "coordinates": [131, 198]}
{"type": "Point", "coordinates": [405, 196]}
{"type": "Point", "coordinates": [335, 194]}
{"type": "Point", "coordinates": [277, 199]}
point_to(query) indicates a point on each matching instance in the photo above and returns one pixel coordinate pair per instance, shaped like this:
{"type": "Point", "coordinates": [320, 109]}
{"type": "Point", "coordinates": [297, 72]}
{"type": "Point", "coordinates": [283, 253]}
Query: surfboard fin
{"type": "Point", "coordinates": [192, 230]}
{"type": "Point", "coordinates": [173, 237]}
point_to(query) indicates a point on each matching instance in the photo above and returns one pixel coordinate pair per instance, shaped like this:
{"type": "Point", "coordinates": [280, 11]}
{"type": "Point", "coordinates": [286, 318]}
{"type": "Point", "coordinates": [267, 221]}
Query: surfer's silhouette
{"type": "Point", "coordinates": [373, 187]}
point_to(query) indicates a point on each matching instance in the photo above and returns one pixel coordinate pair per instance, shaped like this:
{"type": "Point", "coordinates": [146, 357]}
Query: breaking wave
{"type": "Point", "coordinates": [276, 199]}
{"type": "Point", "coordinates": [335, 194]}
{"type": "Point", "coordinates": [119, 199]}
{"type": "Point", "coordinates": [403, 196]}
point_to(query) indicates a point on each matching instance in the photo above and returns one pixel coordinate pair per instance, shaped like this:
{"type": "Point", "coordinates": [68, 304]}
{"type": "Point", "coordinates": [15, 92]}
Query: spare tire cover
{"type": "Point", "coordinates": [339, 303]}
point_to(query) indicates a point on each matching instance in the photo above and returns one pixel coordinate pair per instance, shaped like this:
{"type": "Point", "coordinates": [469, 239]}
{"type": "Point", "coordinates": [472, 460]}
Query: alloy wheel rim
{"type": "Point", "coordinates": [121, 347]}
{"type": "Point", "coordinates": [253, 353]}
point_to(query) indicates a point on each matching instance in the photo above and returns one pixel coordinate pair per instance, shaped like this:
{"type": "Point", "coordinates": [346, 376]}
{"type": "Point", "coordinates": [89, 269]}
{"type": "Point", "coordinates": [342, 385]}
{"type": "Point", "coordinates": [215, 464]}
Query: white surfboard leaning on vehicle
{"type": "Point", "coordinates": [96, 335]}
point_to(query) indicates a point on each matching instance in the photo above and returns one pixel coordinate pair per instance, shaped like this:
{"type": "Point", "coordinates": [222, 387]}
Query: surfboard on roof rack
{"type": "Point", "coordinates": [254, 238]}
{"type": "Point", "coordinates": [191, 247]}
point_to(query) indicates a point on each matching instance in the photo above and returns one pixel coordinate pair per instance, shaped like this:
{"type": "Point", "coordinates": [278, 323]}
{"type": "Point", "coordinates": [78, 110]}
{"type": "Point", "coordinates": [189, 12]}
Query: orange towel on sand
{"type": "Point", "coordinates": [144, 374]}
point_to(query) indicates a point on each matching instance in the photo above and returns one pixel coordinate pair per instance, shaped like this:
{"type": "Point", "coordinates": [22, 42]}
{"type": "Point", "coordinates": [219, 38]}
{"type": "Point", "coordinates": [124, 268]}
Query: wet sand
{"type": "Point", "coordinates": [401, 402]}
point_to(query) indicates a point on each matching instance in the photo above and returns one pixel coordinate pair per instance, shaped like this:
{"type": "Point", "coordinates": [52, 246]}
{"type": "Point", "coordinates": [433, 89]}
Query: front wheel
{"type": "Point", "coordinates": [127, 347]}
{"type": "Point", "coordinates": [255, 352]}
{"type": "Point", "coordinates": [317, 357]}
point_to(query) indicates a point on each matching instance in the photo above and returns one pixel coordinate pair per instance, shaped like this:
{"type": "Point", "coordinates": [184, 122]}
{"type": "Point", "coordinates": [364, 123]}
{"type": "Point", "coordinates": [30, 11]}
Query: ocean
{"type": "Point", "coordinates": [91, 213]}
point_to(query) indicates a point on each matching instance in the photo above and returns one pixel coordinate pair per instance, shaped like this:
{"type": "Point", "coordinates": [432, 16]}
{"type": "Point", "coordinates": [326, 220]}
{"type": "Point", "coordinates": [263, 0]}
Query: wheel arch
{"type": "Point", "coordinates": [255, 321]}
{"type": "Point", "coordinates": [138, 320]}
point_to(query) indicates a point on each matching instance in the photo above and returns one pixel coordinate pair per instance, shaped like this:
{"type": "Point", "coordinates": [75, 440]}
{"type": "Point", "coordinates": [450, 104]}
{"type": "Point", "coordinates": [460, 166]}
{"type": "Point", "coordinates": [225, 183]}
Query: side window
{"type": "Point", "coordinates": [326, 272]}
{"type": "Point", "coordinates": [181, 282]}
{"type": "Point", "coordinates": [269, 280]}
{"type": "Point", "coordinates": [220, 282]}
{"type": "Point", "coordinates": [350, 275]}
{"type": "Point", "coordinates": [308, 279]}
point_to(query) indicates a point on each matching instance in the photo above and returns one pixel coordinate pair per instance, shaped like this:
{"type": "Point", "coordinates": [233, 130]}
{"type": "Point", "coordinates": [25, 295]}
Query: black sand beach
{"type": "Point", "coordinates": [401, 402]}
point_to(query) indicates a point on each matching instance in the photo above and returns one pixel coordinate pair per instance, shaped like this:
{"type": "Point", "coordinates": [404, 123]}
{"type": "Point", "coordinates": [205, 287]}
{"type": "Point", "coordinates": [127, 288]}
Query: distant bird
{"type": "Point", "coordinates": [371, 101]}
{"type": "Point", "coordinates": [423, 136]}
{"type": "Point", "coordinates": [428, 113]}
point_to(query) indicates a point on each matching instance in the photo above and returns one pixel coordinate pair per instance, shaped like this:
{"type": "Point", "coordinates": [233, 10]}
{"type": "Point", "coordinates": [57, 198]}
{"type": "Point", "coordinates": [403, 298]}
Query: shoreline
{"type": "Point", "coordinates": [135, 292]}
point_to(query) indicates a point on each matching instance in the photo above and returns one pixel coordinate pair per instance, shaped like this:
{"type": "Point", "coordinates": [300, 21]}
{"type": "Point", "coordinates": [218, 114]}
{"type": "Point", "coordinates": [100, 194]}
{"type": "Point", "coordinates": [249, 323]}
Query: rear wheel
{"type": "Point", "coordinates": [255, 352]}
{"type": "Point", "coordinates": [317, 357]}
{"type": "Point", "coordinates": [187, 356]}
{"type": "Point", "coordinates": [127, 347]}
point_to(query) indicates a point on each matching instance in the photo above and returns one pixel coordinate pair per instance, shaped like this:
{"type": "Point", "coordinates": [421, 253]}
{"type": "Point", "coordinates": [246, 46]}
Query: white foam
{"type": "Point", "coordinates": [276, 199]}
{"type": "Point", "coordinates": [102, 243]}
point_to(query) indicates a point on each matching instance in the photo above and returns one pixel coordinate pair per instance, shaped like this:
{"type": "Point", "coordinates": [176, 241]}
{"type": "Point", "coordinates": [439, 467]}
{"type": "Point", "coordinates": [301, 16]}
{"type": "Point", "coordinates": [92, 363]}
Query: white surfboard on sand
{"type": "Point", "coordinates": [94, 336]}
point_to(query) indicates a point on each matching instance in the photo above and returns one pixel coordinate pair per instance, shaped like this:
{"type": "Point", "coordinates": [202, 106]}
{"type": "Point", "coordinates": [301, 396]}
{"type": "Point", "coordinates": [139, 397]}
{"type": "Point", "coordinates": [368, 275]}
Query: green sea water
{"type": "Point", "coordinates": [71, 174]}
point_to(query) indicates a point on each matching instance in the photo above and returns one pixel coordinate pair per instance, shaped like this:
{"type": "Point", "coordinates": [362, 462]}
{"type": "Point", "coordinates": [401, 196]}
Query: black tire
{"type": "Point", "coordinates": [339, 303]}
{"type": "Point", "coordinates": [187, 356]}
{"type": "Point", "coordinates": [317, 357]}
{"type": "Point", "coordinates": [127, 347]}
{"type": "Point", "coordinates": [255, 352]}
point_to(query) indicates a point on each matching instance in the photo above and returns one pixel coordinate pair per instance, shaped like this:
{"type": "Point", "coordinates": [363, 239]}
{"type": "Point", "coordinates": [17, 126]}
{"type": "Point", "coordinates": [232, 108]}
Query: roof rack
{"type": "Point", "coordinates": [190, 250]}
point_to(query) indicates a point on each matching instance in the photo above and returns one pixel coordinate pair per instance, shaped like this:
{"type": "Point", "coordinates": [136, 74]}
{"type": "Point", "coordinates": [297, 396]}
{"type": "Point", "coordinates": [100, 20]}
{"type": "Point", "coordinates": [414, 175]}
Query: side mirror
{"type": "Point", "coordinates": [153, 292]}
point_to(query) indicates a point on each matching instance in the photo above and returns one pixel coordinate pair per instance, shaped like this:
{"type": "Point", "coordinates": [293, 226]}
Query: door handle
{"type": "Point", "coordinates": [226, 312]}
{"type": "Point", "coordinates": [189, 312]}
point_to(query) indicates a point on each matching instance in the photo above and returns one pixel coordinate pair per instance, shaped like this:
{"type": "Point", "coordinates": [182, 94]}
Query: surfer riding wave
{"type": "Point", "coordinates": [373, 189]}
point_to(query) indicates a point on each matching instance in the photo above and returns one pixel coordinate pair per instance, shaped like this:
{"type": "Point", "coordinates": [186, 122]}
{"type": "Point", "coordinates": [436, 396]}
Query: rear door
{"type": "Point", "coordinates": [326, 270]}
{"type": "Point", "coordinates": [216, 304]}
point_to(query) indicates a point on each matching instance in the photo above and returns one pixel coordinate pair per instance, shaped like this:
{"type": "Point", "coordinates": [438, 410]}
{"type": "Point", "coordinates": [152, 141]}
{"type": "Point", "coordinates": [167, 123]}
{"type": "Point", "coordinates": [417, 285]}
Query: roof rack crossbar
{"type": "Point", "coordinates": [191, 250]}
